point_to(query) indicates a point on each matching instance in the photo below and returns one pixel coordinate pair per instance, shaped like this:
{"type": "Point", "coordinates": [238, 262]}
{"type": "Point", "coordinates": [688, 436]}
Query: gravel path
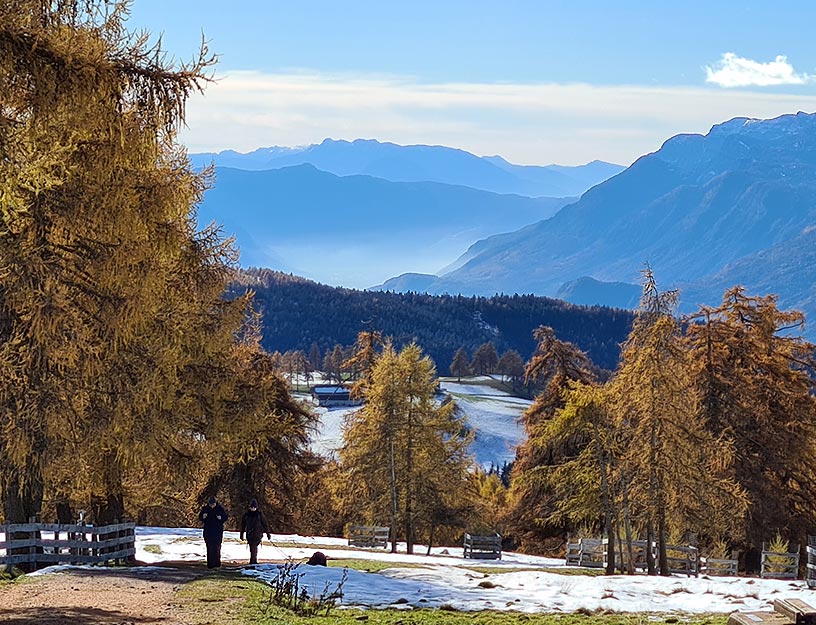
{"type": "Point", "coordinates": [120, 596]}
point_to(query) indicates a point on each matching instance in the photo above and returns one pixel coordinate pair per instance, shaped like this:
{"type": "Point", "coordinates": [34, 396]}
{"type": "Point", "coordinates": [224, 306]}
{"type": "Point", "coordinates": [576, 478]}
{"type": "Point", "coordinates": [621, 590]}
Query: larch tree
{"type": "Point", "coordinates": [754, 375]}
{"type": "Point", "coordinates": [673, 468]}
{"type": "Point", "coordinates": [460, 366]}
{"type": "Point", "coordinates": [532, 500]}
{"type": "Point", "coordinates": [485, 359]}
{"type": "Point", "coordinates": [404, 457]}
{"type": "Point", "coordinates": [116, 346]}
{"type": "Point", "coordinates": [583, 482]}
{"type": "Point", "coordinates": [511, 365]}
{"type": "Point", "coordinates": [361, 363]}
{"type": "Point", "coordinates": [314, 357]}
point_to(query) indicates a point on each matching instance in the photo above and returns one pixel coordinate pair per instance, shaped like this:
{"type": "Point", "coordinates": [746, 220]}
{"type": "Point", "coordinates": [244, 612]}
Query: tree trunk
{"type": "Point", "coordinates": [409, 483]}
{"type": "Point", "coordinates": [627, 527]}
{"type": "Point", "coordinates": [663, 559]}
{"type": "Point", "coordinates": [606, 503]}
{"type": "Point", "coordinates": [650, 561]}
{"type": "Point", "coordinates": [393, 500]}
{"type": "Point", "coordinates": [21, 506]}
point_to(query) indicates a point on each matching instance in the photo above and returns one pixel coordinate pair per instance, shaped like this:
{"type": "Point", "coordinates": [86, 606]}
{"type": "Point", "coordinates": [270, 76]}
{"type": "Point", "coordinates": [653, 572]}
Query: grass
{"type": "Point", "coordinates": [152, 549]}
{"type": "Point", "coordinates": [236, 600]}
{"type": "Point", "coordinates": [371, 566]}
{"type": "Point", "coordinates": [16, 576]}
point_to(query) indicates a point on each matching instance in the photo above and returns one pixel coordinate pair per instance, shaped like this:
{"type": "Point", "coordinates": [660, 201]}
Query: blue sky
{"type": "Point", "coordinates": [537, 82]}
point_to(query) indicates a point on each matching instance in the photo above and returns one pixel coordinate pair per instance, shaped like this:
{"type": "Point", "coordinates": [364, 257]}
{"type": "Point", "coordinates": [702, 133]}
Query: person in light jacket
{"type": "Point", "coordinates": [253, 525]}
{"type": "Point", "coordinates": [213, 517]}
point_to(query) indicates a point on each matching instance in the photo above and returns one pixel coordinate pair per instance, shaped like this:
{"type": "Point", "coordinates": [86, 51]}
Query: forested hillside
{"type": "Point", "coordinates": [298, 312]}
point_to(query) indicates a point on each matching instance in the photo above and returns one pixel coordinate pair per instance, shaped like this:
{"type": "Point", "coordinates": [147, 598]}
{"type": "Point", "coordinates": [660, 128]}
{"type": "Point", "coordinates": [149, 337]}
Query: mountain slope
{"type": "Point", "coordinates": [421, 163]}
{"type": "Point", "coordinates": [357, 230]}
{"type": "Point", "coordinates": [697, 205]}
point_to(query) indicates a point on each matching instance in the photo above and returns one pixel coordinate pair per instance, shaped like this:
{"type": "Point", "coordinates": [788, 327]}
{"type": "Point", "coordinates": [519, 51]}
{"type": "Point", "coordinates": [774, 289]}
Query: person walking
{"type": "Point", "coordinates": [213, 517]}
{"type": "Point", "coordinates": [253, 524]}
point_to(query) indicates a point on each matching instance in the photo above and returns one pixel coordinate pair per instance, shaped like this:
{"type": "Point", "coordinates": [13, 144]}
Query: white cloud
{"type": "Point", "coordinates": [736, 71]}
{"type": "Point", "coordinates": [526, 123]}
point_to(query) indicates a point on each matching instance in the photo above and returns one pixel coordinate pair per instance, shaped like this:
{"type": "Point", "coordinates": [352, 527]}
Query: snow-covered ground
{"type": "Point", "coordinates": [491, 413]}
{"type": "Point", "coordinates": [517, 582]}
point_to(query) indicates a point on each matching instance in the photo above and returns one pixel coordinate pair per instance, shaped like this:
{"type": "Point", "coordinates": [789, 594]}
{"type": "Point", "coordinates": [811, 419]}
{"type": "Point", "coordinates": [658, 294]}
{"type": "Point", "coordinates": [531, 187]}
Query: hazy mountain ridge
{"type": "Point", "coordinates": [421, 163]}
{"type": "Point", "coordinates": [699, 205]}
{"type": "Point", "coordinates": [358, 230]}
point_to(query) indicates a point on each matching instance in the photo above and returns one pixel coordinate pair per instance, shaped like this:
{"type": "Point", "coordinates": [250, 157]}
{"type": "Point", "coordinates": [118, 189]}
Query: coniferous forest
{"type": "Point", "coordinates": [297, 313]}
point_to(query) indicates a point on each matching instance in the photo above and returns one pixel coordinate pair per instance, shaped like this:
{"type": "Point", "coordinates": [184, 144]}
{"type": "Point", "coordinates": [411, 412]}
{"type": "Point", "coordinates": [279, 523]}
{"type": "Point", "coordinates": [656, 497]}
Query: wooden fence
{"type": "Point", "coordinates": [811, 562]}
{"type": "Point", "coordinates": [38, 544]}
{"type": "Point", "coordinates": [592, 552]}
{"type": "Point", "coordinates": [368, 536]}
{"type": "Point", "coordinates": [779, 565]}
{"type": "Point", "coordinates": [719, 566]}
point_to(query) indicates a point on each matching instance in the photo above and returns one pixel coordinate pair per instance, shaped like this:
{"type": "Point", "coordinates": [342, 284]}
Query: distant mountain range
{"type": "Point", "coordinates": [737, 205]}
{"type": "Point", "coordinates": [357, 230]}
{"type": "Point", "coordinates": [421, 163]}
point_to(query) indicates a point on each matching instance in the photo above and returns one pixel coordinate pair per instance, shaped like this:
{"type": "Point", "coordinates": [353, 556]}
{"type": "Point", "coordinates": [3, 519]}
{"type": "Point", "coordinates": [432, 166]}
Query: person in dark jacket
{"type": "Point", "coordinates": [213, 517]}
{"type": "Point", "coordinates": [253, 524]}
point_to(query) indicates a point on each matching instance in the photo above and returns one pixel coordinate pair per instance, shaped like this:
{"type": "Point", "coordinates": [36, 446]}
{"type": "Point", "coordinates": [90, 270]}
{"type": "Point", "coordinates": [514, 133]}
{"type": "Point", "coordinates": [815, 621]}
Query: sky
{"type": "Point", "coordinates": [536, 81]}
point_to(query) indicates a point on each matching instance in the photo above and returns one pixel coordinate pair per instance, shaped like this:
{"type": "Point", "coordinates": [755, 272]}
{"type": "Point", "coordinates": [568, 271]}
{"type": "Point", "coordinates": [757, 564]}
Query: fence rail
{"type": "Point", "coordinates": [592, 552]}
{"type": "Point", "coordinates": [719, 566]}
{"type": "Point", "coordinates": [371, 536]}
{"type": "Point", "coordinates": [36, 544]}
{"type": "Point", "coordinates": [779, 565]}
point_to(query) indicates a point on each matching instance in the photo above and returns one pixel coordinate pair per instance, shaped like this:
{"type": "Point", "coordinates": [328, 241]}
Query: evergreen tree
{"type": "Point", "coordinates": [460, 365]}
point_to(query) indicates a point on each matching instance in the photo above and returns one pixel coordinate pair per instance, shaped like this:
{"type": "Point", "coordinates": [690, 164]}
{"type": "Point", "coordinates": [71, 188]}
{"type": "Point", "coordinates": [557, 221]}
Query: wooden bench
{"type": "Point", "coordinates": [639, 549]}
{"type": "Point", "coordinates": [573, 554]}
{"type": "Point", "coordinates": [368, 536]}
{"type": "Point", "coordinates": [483, 547]}
{"type": "Point", "coordinates": [591, 552]}
{"type": "Point", "coordinates": [786, 612]}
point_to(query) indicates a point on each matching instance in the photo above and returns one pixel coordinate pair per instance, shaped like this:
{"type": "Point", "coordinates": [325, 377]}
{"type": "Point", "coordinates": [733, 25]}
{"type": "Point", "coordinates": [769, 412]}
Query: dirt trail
{"type": "Point", "coordinates": [120, 596]}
